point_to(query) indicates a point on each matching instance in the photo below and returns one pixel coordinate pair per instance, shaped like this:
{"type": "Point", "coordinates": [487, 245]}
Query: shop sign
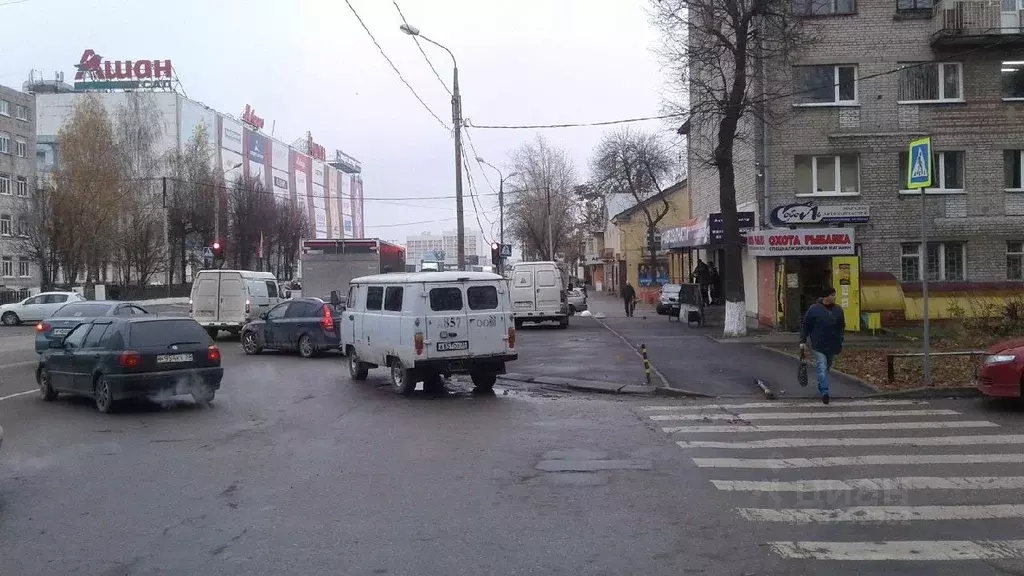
{"type": "Point", "coordinates": [316, 150]}
{"type": "Point", "coordinates": [249, 117]}
{"type": "Point", "coordinates": [809, 213]}
{"type": "Point", "coordinates": [809, 242]}
{"type": "Point", "coordinates": [693, 234]}
{"type": "Point", "coordinates": [717, 225]}
{"type": "Point", "coordinates": [95, 73]}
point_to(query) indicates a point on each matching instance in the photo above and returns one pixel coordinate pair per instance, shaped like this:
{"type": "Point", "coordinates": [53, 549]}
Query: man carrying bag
{"type": "Point", "coordinates": [825, 325]}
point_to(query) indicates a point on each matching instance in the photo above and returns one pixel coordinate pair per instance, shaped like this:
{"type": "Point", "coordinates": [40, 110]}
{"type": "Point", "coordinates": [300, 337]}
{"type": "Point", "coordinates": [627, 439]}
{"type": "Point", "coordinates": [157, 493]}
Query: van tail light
{"type": "Point", "coordinates": [327, 322]}
{"type": "Point", "coordinates": [190, 307]}
{"type": "Point", "coordinates": [419, 343]}
{"type": "Point", "coordinates": [248, 306]}
{"type": "Point", "coordinates": [43, 327]}
{"type": "Point", "coordinates": [511, 337]}
{"type": "Point", "coordinates": [213, 354]}
{"type": "Point", "coordinates": [129, 359]}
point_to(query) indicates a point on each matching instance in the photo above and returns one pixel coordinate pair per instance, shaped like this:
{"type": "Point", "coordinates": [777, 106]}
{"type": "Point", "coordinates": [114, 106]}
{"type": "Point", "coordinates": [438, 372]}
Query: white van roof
{"type": "Point", "coordinates": [542, 262]}
{"type": "Point", "coordinates": [245, 273]}
{"type": "Point", "coordinates": [417, 277]}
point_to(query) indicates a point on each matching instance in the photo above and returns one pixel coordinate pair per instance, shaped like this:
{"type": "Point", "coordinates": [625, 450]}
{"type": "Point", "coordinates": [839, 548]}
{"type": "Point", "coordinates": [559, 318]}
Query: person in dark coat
{"type": "Point", "coordinates": [702, 276]}
{"type": "Point", "coordinates": [714, 283]}
{"type": "Point", "coordinates": [824, 324]}
{"type": "Point", "coordinates": [629, 299]}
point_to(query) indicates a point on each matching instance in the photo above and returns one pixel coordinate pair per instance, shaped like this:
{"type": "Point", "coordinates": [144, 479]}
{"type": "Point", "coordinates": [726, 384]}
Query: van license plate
{"type": "Point", "coordinates": [173, 358]}
{"type": "Point", "coordinates": [450, 346]}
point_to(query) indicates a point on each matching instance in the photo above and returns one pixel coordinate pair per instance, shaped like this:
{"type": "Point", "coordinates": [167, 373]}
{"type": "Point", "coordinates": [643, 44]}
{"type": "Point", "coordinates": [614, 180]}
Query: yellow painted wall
{"type": "Point", "coordinates": [846, 281]}
{"type": "Point", "coordinates": [942, 306]}
{"type": "Point", "coordinates": [633, 230]}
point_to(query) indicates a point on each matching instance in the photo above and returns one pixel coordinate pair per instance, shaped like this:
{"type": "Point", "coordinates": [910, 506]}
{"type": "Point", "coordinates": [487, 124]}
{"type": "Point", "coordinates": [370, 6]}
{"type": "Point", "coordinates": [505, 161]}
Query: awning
{"type": "Point", "coordinates": [703, 231]}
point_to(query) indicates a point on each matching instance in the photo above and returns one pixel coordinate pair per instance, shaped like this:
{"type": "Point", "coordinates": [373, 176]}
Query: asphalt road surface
{"type": "Point", "coordinates": [297, 470]}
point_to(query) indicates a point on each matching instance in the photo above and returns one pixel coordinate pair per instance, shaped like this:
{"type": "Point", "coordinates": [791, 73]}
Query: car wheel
{"type": "Point", "coordinates": [306, 347]}
{"type": "Point", "coordinates": [250, 344]}
{"type": "Point", "coordinates": [203, 394]}
{"type": "Point", "coordinates": [10, 319]}
{"type": "Point", "coordinates": [484, 380]}
{"type": "Point", "coordinates": [104, 399]}
{"type": "Point", "coordinates": [401, 379]}
{"type": "Point", "coordinates": [356, 369]}
{"type": "Point", "coordinates": [46, 391]}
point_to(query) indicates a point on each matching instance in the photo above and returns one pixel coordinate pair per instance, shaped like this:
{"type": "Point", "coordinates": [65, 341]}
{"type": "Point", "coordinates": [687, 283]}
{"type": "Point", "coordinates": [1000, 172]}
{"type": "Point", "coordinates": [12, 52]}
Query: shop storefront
{"type": "Point", "coordinates": [701, 238]}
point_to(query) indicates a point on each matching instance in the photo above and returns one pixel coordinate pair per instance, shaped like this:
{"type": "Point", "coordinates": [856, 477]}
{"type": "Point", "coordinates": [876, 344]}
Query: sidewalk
{"type": "Point", "coordinates": [691, 360]}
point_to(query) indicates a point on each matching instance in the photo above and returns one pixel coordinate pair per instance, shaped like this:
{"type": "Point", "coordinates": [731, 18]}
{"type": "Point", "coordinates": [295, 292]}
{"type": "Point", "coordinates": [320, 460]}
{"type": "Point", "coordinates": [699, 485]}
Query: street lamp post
{"type": "Point", "coordinates": [457, 125]}
{"type": "Point", "coordinates": [501, 197]}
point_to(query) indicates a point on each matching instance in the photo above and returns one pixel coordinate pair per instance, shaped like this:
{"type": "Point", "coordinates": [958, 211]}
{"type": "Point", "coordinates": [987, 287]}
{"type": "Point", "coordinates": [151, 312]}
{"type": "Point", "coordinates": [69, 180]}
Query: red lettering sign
{"type": "Point", "coordinates": [93, 64]}
{"type": "Point", "coordinates": [316, 150]}
{"type": "Point", "coordinates": [249, 117]}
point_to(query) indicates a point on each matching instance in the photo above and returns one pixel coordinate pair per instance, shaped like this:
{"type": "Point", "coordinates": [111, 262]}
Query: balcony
{"type": "Point", "coordinates": [979, 23]}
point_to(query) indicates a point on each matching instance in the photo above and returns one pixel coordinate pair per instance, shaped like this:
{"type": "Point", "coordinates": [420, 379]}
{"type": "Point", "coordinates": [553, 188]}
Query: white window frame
{"type": "Point", "coordinates": [21, 187]}
{"type": "Point", "coordinates": [835, 9]}
{"type": "Point", "coordinates": [922, 260]}
{"type": "Point", "coordinates": [21, 148]}
{"type": "Point", "coordinates": [6, 225]}
{"type": "Point", "coordinates": [939, 179]}
{"type": "Point", "coordinates": [1018, 254]}
{"type": "Point", "coordinates": [5, 143]}
{"type": "Point", "coordinates": [5, 185]}
{"type": "Point", "coordinates": [19, 109]}
{"type": "Point", "coordinates": [835, 87]}
{"type": "Point", "coordinates": [5, 108]}
{"type": "Point", "coordinates": [837, 185]}
{"type": "Point", "coordinates": [27, 271]}
{"type": "Point", "coordinates": [942, 84]}
{"type": "Point", "coordinates": [1011, 67]}
{"type": "Point", "coordinates": [1020, 176]}
{"type": "Point", "coordinates": [7, 267]}
{"type": "Point", "coordinates": [905, 255]}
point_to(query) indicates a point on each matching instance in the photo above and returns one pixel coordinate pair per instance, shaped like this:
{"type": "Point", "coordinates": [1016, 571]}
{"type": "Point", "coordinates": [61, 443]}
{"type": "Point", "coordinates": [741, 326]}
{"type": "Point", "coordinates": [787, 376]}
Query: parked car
{"type": "Point", "coordinates": [538, 293]}
{"type": "Point", "coordinates": [427, 325]}
{"type": "Point", "coordinates": [577, 301]}
{"type": "Point", "coordinates": [115, 358]}
{"type": "Point", "coordinates": [1001, 373]}
{"type": "Point", "coordinates": [668, 300]}
{"type": "Point", "coordinates": [64, 320]}
{"type": "Point", "coordinates": [229, 299]}
{"type": "Point", "coordinates": [304, 324]}
{"type": "Point", "coordinates": [35, 308]}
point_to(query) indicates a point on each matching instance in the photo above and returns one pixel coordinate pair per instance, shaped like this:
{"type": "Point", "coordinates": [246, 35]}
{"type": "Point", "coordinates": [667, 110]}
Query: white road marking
{"type": "Point", "coordinates": [877, 484]}
{"type": "Point", "coordinates": [829, 427]}
{"type": "Point", "coordinates": [871, 460]}
{"type": "Point", "coordinates": [909, 550]}
{"type": "Point", "coordinates": [783, 404]}
{"type": "Point", "coordinates": [9, 396]}
{"type": "Point", "coordinates": [883, 513]}
{"type": "Point", "coordinates": [899, 441]}
{"type": "Point", "coordinates": [822, 415]}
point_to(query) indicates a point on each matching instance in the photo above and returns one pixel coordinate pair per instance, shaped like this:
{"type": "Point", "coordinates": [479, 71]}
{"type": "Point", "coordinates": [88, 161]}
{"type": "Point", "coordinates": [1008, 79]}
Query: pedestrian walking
{"type": "Point", "coordinates": [629, 299]}
{"type": "Point", "coordinates": [702, 276]}
{"type": "Point", "coordinates": [713, 283]}
{"type": "Point", "coordinates": [824, 324]}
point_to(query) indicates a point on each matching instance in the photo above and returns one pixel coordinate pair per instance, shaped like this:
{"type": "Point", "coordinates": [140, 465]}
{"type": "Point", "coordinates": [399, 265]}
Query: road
{"type": "Point", "coordinates": [297, 470]}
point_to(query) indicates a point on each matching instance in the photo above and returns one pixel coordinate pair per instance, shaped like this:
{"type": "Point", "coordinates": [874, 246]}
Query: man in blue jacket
{"type": "Point", "coordinates": [824, 324]}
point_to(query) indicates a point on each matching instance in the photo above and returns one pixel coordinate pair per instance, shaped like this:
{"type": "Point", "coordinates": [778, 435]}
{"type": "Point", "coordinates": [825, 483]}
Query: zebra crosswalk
{"type": "Point", "coordinates": [873, 464]}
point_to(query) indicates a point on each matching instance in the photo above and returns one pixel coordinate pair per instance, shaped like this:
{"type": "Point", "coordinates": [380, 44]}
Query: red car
{"type": "Point", "coordinates": [1001, 374]}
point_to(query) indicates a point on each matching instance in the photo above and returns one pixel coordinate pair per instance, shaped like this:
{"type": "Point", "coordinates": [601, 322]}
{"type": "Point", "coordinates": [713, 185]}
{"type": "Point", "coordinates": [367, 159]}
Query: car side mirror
{"type": "Point", "coordinates": [263, 315]}
{"type": "Point", "coordinates": [335, 299]}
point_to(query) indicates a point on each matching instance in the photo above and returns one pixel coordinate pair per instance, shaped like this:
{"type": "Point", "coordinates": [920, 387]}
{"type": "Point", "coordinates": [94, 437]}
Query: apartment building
{"type": "Point", "coordinates": [18, 273]}
{"type": "Point", "coordinates": [826, 178]}
{"type": "Point", "coordinates": [426, 244]}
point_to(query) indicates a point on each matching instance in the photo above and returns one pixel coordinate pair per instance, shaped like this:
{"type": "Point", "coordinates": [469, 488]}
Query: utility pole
{"type": "Point", "coordinates": [551, 243]}
{"type": "Point", "coordinates": [167, 239]}
{"type": "Point", "coordinates": [927, 372]}
{"type": "Point", "coordinates": [457, 123]}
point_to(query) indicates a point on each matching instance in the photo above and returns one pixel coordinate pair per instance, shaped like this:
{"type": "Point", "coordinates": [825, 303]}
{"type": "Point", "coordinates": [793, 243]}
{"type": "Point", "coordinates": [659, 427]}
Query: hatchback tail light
{"type": "Point", "coordinates": [419, 343]}
{"type": "Point", "coordinates": [511, 337]}
{"type": "Point", "coordinates": [327, 322]}
{"type": "Point", "coordinates": [213, 354]}
{"type": "Point", "coordinates": [43, 327]}
{"type": "Point", "coordinates": [248, 306]}
{"type": "Point", "coordinates": [129, 359]}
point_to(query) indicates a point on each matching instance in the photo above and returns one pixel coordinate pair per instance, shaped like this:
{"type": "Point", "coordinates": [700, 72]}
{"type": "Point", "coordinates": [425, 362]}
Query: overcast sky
{"type": "Point", "coordinates": [309, 65]}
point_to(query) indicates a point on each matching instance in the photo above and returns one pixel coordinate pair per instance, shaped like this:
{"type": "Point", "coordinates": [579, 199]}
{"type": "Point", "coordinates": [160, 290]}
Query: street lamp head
{"type": "Point", "coordinates": [409, 29]}
{"type": "Point", "coordinates": [480, 159]}
{"type": "Point", "coordinates": [512, 175]}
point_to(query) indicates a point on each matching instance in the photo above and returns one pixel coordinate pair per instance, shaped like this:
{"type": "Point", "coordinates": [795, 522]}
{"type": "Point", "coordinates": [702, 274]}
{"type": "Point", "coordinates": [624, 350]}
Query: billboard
{"type": "Point", "coordinates": [255, 155]}
{"type": "Point", "coordinates": [357, 207]}
{"type": "Point", "coordinates": [302, 182]}
{"type": "Point", "coordinates": [191, 117]}
{"type": "Point", "coordinates": [231, 135]}
{"type": "Point", "coordinates": [319, 201]}
{"type": "Point", "coordinates": [334, 177]}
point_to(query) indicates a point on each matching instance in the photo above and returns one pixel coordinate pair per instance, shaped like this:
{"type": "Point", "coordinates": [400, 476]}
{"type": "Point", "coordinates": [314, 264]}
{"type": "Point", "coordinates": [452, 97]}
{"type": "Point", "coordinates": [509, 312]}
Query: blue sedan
{"type": "Point", "coordinates": [67, 317]}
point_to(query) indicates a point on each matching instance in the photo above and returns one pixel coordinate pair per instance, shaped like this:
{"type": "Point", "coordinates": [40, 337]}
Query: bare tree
{"type": "Point", "coordinates": [38, 233]}
{"type": "Point", "coordinates": [291, 225]}
{"type": "Point", "coordinates": [717, 52]}
{"type": "Point", "coordinates": [541, 199]}
{"type": "Point", "coordinates": [194, 191]}
{"type": "Point", "coordinates": [251, 220]}
{"type": "Point", "coordinates": [636, 163]}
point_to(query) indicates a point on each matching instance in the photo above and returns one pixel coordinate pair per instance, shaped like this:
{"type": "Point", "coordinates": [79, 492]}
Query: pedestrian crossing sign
{"type": "Point", "coordinates": [919, 164]}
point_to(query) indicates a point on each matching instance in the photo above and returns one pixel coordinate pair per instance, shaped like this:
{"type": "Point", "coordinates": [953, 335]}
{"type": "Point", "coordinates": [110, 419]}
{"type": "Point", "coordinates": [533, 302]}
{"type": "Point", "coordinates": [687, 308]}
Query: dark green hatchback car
{"type": "Point", "coordinates": [117, 358]}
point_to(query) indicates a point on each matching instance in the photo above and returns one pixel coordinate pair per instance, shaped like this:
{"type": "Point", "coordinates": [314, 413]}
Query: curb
{"type": "Point", "coordinates": [681, 393]}
{"type": "Point", "coordinates": [860, 381]}
{"type": "Point", "coordinates": [768, 394]}
{"type": "Point", "coordinates": [598, 386]}
{"type": "Point", "coordinates": [635, 349]}
{"type": "Point", "coordinates": [932, 392]}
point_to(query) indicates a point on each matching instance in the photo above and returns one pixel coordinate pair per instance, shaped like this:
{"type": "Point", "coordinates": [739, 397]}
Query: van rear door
{"type": "Point", "coordinates": [487, 318]}
{"type": "Point", "coordinates": [232, 298]}
{"type": "Point", "coordinates": [549, 290]}
{"type": "Point", "coordinates": [205, 298]}
{"type": "Point", "coordinates": [447, 326]}
{"type": "Point", "coordinates": [524, 296]}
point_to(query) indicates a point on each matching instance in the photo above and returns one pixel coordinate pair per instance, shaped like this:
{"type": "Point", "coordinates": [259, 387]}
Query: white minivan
{"type": "Point", "coordinates": [229, 299]}
{"type": "Point", "coordinates": [427, 325]}
{"type": "Point", "coordinates": [538, 293]}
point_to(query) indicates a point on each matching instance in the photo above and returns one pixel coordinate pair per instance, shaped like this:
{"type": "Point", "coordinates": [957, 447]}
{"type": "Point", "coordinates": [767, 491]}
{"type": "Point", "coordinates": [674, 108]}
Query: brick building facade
{"type": "Point", "coordinates": [18, 273]}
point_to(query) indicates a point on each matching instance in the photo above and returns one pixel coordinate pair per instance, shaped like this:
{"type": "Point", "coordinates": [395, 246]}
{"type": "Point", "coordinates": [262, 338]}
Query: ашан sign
{"type": "Point", "coordinates": [810, 242]}
{"type": "Point", "coordinates": [95, 73]}
{"type": "Point", "coordinates": [249, 117]}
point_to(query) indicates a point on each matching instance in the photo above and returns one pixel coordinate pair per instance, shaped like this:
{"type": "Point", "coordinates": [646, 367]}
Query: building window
{"type": "Point", "coordinates": [5, 108]}
{"type": "Point", "coordinates": [1012, 75]}
{"type": "Point", "coordinates": [914, 5]}
{"type": "Point", "coordinates": [5, 143]}
{"type": "Point", "coordinates": [21, 186]}
{"type": "Point", "coordinates": [6, 225]}
{"type": "Point", "coordinates": [945, 262]}
{"type": "Point", "coordinates": [24, 267]}
{"type": "Point", "coordinates": [21, 148]}
{"type": "Point", "coordinates": [947, 170]}
{"type": "Point", "coordinates": [931, 82]}
{"type": "Point", "coordinates": [825, 84]}
{"type": "Point", "coordinates": [838, 174]}
{"type": "Point", "coordinates": [7, 267]}
{"type": "Point", "coordinates": [23, 227]}
{"type": "Point", "coordinates": [1015, 260]}
{"type": "Point", "coordinates": [1013, 169]}
{"type": "Point", "coordinates": [21, 112]}
{"type": "Point", "coordinates": [5, 184]}
{"type": "Point", "coordinates": [824, 7]}
{"type": "Point", "coordinates": [910, 263]}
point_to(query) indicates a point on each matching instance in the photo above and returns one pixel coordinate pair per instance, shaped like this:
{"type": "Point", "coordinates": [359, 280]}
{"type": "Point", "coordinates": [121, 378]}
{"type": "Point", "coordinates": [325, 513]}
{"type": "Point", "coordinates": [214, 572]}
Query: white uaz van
{"type": "Point", "coordinates": [427, 325]}
{"type": "Point", "coordinates": [538, 293]}
{"type": "Point", "coordinates": [229, 299]}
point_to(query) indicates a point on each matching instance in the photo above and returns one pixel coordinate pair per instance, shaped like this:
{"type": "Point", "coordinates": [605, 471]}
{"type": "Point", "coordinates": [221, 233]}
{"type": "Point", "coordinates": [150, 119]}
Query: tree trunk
{"type": "Point", "coordinates": [732, 269]}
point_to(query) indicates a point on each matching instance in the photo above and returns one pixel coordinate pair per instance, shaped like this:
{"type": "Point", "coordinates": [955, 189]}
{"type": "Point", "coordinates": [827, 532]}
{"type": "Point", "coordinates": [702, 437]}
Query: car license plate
{"type": "Point", "coordinates": [524, 304]}
{"type": "Point", "coordinates": [451, 346]}
{"type": "Point", "coordinates": [173, 358]}
{"type": "Point", "coordinates": [60, 331]}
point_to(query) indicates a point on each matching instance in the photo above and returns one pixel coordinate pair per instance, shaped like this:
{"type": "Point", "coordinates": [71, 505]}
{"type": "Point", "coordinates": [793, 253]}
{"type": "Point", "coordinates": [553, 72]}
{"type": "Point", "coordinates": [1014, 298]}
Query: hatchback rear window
{"type": "Point", "coordinates": [482, 297]}
{"type": "Point", "coordinates": [83, 310]}
{"type": "Point", "coordinates": [164, 332]}
{"type": "Point", "coordinates": [445, 299]}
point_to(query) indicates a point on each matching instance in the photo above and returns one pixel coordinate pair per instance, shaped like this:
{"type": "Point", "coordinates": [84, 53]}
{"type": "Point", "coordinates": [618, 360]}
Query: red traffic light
{"type": "Point", "coordinates": [494, 246]}
{"type": "Point", "coordinates": [216, 245]}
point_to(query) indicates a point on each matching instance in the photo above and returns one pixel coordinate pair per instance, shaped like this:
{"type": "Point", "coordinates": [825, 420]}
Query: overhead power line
{"type": "Point", "coordinates": [420, 46]}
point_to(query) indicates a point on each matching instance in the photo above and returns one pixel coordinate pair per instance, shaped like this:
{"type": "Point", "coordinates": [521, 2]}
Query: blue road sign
{"type": "Point", "coordinates": [919, 164]}
{"type": "Point", "coordinates": [505, 251]}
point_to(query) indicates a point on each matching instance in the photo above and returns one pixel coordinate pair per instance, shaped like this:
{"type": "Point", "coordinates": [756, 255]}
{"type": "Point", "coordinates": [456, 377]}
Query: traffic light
{"type": "Point", "coordinates": [218, 249]}
{"type": "Point", "coordinates": [495, 254]}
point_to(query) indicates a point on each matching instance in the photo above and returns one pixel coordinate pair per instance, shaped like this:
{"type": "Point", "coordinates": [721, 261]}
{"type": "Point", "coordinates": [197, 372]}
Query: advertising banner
{"type": "Point", "coordinates": [357, 207]}
{"type": "Point", "coordinates": [334, 201]}
{"type": "Point", "coordinates": [282, 188]}
{"type": "Point", "coordinates": [255, 153]}
{"type": "Point", "coordinates": [811, 213]}
{"type": "Point", "coordinates": [303, 184]}
{"type": "Point", "coordinates": [193, 116]}
{"type": "Point", "coordinates": [318, 172]}
{"type": "Point", "coordinates": [808, 242]}
{"type": "Point", "coordinates": [231, 134]}
{"type": "Point", "coordinates": [279, 156]}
